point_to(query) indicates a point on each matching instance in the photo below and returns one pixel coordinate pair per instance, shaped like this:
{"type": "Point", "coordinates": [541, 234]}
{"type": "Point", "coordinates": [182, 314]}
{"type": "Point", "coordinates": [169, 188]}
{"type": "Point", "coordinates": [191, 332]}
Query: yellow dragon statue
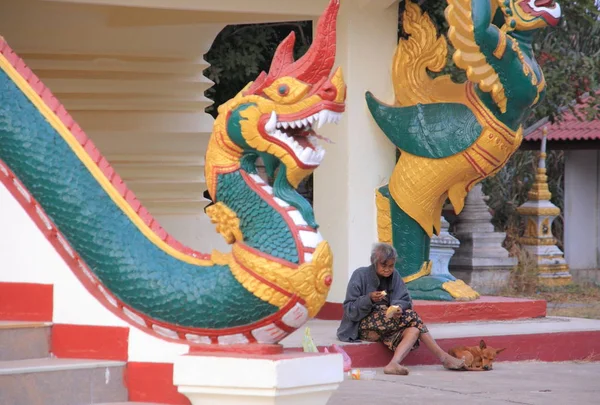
{"type": "Point", "coordinates": [452, 136]}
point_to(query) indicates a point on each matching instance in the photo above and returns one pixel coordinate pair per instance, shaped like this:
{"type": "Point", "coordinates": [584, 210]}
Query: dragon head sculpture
{"type": "Point", "coordinates": [527, 15]}
{"type": "Point", "coordinates": [276, 116]}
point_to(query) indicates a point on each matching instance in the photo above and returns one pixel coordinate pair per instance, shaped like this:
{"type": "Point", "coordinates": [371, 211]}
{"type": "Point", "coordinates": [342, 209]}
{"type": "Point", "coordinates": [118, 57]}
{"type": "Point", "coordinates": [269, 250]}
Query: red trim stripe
{"type": "Point", "coordinates": [281, 325]}
{"type": "Point", "coordinates": [483, 150]}
{"type": "Point", "coordinates": [90, 342]}
{"type": "Point", "coordinates": [489, 118]}
{"type": "Point", "coordinates": [472, 182]}
{"type": "Point", "coordinates": [153, 382]}
{"type": "Point", "coordinates": [26, 302]}
{"type": "Point", "coordinates": [484, 157]}
{"type": "Point", "coordinates": [472, 162]}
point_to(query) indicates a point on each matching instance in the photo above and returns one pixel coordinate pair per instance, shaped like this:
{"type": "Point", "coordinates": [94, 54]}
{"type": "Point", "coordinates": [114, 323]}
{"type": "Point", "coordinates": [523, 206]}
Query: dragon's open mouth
{"type": "Point", "coordinates": [299, 135]}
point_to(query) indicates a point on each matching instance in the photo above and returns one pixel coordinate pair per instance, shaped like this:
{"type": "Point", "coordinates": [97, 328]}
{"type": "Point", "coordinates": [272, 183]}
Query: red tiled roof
{"type": "Point", "coordinates": [569, 129]}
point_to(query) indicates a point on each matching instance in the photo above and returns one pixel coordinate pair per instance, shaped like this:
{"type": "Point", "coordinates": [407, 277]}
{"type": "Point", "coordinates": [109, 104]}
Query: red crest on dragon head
{"type": "Point", "coordinates": [315, 66]}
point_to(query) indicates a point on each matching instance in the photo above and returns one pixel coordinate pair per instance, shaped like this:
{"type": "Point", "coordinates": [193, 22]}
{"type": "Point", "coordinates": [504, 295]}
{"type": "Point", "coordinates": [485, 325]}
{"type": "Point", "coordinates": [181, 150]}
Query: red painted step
{"type": "Point", "coordinates": [486, 308]}
{"type": "Point", "coordinates": [546, 339]}
{"type": "Point", "coordinates": [541, 347]}
{"type": "Point", "coordinates": [153, 382]}
{"type": "Point", "coordinates": [26, 302]}
{"type": "Point", "coordinates": [90, 342]}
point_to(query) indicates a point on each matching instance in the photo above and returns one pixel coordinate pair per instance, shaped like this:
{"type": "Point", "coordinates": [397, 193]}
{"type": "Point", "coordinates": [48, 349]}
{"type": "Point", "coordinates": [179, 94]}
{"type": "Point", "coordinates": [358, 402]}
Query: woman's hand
{"type": "Point", "coordinates": [377, 296]}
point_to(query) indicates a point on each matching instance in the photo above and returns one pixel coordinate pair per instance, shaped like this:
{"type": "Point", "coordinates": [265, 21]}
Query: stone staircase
{"type": "Point", "coordinates": [31, 375]}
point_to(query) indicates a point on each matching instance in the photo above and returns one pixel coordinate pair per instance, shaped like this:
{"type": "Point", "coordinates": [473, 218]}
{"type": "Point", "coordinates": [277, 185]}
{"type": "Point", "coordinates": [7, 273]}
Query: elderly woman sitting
{"type": "Point", "coordinates": [371, 291]}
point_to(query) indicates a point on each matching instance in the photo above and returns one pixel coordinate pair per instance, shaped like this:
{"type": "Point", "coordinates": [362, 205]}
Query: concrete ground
{"type": "Point", "coordinates": [528, 383]}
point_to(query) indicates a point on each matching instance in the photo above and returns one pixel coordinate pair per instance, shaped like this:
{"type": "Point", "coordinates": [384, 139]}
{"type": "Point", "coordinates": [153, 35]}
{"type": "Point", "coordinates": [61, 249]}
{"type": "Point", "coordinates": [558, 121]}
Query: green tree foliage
{"type": "Point", "coordinates": [241, 52]}
{"type": "Point", "coordinates": [569, 55]}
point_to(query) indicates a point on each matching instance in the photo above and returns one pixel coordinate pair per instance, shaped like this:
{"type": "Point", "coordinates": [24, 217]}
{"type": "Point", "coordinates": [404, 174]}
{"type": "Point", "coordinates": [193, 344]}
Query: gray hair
{"type": "Point", "coordinates": [382, 252]}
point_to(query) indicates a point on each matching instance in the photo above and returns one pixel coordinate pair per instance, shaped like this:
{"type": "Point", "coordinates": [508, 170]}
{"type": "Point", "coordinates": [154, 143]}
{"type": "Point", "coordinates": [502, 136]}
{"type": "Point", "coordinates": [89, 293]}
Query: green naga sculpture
{"type": "Point", "coordinates": [451, 136]}
{"type": "Point", "coordinates": [279, 270]}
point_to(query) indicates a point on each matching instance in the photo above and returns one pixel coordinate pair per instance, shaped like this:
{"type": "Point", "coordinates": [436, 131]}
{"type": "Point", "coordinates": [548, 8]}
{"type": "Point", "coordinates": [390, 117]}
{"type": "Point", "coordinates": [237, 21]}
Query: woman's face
{"type": "Point", "coordinates": [385, 269]}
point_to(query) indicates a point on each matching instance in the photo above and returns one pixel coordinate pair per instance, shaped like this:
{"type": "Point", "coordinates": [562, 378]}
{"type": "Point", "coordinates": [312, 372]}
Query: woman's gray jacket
{"type": "Point", "coordinates": [358, 305]}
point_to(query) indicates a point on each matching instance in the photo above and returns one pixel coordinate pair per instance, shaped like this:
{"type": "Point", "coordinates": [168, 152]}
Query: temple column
{"type": "Point", "coordinates": [361, 158]}
{"type": "Point", "coordinates": [582, 210]}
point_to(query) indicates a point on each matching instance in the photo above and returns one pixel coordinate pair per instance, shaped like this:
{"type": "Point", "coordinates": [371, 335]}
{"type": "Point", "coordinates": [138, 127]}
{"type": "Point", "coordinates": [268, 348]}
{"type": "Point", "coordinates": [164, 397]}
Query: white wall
{"type": "Point", "coordinates": [582, 209]}
{"type": "Point", "coordinates": [362, 158]}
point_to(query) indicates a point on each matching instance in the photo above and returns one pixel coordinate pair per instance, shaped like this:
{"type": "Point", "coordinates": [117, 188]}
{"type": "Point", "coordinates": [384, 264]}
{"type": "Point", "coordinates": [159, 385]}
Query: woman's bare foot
{"type": "Point", "coordinates": [396, 369]}
{"type": "Point", "coordinates": [452, 363]}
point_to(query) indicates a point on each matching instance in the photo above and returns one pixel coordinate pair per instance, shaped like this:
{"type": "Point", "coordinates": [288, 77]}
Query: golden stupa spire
{"type": "Point", "coordinates": [538, 213]}
{"type": "Point", "coordinates": [539, 191]}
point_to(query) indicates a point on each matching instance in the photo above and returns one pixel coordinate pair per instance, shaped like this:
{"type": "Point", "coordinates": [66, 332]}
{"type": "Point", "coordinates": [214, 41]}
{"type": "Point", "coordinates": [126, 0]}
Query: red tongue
{"type": "Point", "coordinates": [300, 135]}
{"type": "Point", "coordinates": [303, 141]}
{"type": "Point", "coordinates": [323, 138]}
{"type": "Point", "coordinates": [544, 3]}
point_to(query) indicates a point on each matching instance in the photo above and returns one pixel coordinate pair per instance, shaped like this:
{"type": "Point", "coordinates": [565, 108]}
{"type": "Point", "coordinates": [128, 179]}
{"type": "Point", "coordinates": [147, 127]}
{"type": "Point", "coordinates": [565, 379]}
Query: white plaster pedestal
{"type": "Point", "coordinates": [282, 379]}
